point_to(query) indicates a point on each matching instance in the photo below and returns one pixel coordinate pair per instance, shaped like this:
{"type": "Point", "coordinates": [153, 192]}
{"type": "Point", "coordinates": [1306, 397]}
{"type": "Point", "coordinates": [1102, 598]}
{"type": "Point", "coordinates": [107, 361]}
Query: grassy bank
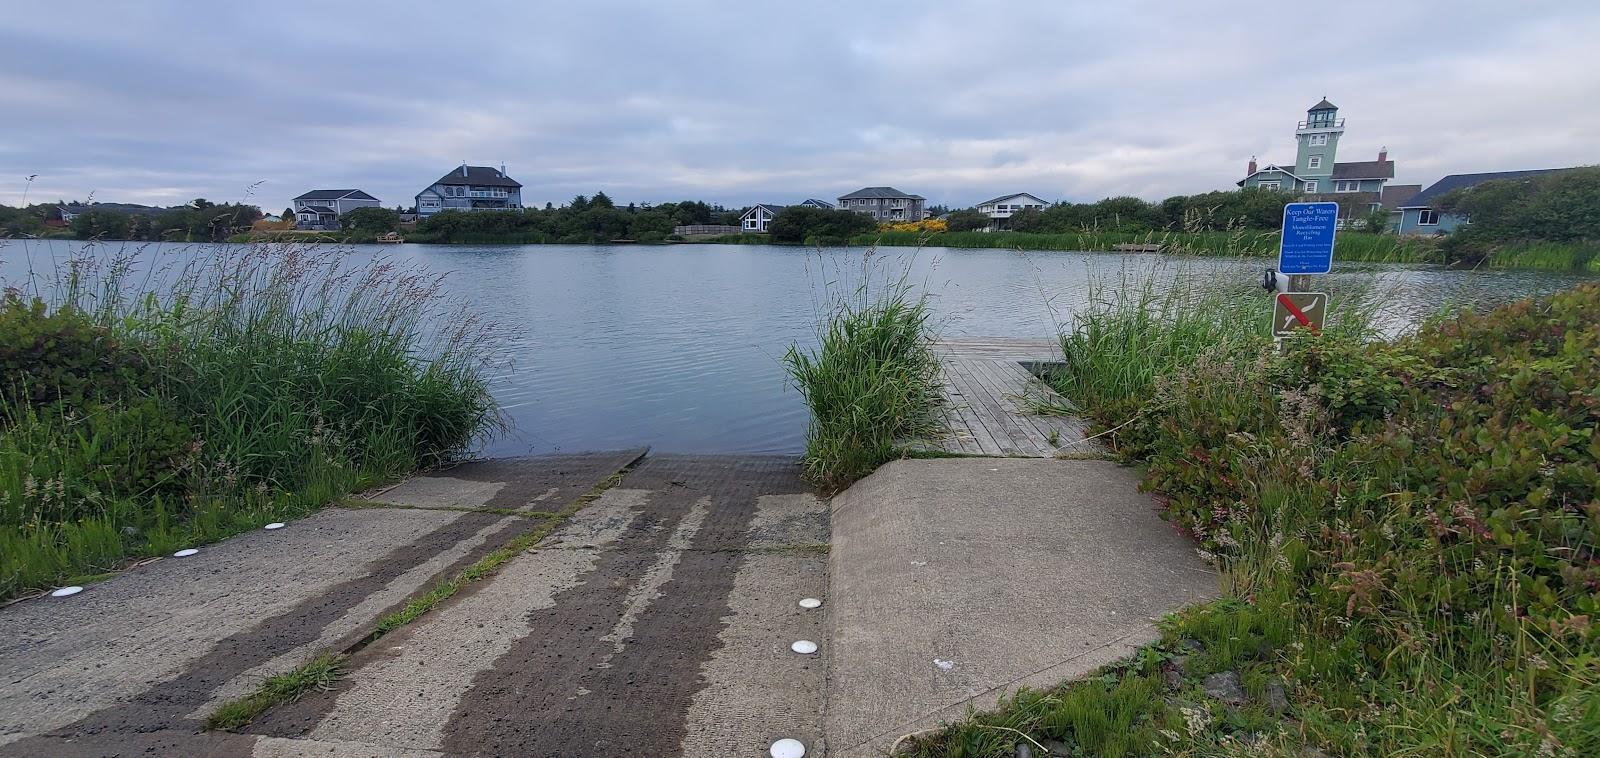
{"type": "Point", "coordinates": [203, 395]}
{"type": "Point", "coordinates": [1409, 530]}
{"type": "Point", "coordinates": [1350, 245]}
{"type": "Point", "coordinates": [871, 383]}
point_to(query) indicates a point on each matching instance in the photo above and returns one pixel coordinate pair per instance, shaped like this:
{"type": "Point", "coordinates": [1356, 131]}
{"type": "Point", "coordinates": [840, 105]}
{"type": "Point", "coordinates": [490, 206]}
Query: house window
{"type": "Point", "coordinates": [1268, 185]}
{"type": "Point", "coordinates": [1347, 186]}
{"type": "Point", "coordinates": [1314, 161]}
{"type": "Point", "coordinates": [1428, 217]}
{"type": "Point", "coordinates": [1318, 140]}
{"type": "Point", "coordinates": [1311, 187]}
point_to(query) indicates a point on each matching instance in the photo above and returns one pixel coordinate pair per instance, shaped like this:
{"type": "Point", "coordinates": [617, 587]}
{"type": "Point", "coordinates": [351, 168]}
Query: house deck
{"type": "Point", "coordinates": [988, 390]}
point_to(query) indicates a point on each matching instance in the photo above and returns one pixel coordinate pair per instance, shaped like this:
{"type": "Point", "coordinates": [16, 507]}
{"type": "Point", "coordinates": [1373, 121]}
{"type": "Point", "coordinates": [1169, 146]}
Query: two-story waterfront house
{"type": "Point", "coordinates": [1000, 209]}
{"type": "Point", "coordinates": [886, 204]}
{"type": "Point", "coordinates": [471, 188]}
{"type": "Point", "coordinates": [320, 210]}
{"type": "Point", "coordinates": [1356, 186]}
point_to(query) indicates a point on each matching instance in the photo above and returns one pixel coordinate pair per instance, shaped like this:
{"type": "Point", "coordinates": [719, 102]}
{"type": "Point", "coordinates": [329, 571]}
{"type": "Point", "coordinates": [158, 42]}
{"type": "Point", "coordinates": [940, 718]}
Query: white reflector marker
{"type": "Point", "coordinates": [185, 553]}
{"type": "Point", "coordinates": [67, 591]}
{"type": "Point", "coordinates": [810, 602]}
{"type": "Point", "coordinates": [274, 525]}
{"type": "Point", "coordinates": [787, 748]}
{"type": "Point", "coordinates": [804, 647]}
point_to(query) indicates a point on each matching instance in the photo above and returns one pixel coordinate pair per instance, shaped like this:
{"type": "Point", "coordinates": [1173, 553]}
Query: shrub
{"type": "Point", "coordinates": [62, 355]}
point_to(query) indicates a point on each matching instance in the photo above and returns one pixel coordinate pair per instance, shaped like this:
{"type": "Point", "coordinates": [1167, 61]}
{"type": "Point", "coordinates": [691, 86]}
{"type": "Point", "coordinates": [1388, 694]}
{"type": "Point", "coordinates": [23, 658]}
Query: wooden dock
{"type": "Point", "coordinates": [987, 392]}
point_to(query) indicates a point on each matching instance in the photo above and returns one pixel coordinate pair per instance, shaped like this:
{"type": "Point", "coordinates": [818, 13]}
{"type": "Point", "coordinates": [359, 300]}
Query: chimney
{"type": "Point", "coordinates": [1383, 153]}
{"type": "Point", "coordinates": [1252, 169]}
{"type": "Point", "coordinates": [463, 168]}
{"type": "Point", "coordinates": [502, 169]}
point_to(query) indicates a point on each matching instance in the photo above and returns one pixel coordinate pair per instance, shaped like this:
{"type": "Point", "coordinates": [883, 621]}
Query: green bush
{"type": "Point", "coordinates": [62, 355]}
{"type": "Point", "coordinates": [872, 384]}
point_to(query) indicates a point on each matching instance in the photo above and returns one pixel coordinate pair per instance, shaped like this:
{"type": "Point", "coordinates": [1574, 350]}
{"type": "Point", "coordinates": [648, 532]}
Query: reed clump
{"type": "Point", "coordinates": [871, 382]}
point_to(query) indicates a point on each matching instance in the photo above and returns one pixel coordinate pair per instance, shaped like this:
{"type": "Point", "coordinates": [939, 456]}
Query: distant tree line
{"type": "Point", "coordinates": [199, 221]}
{"type": "Point", "coordinates": [583, 220]}
{"type": "Point", "coordinates": [1248, 208]}
{"type": "Point", "coordinates": [1562, 207]}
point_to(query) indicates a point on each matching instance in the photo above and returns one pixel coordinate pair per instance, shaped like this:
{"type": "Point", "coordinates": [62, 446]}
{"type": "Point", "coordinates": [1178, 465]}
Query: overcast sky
{"type": "Point", "coordinates": [741, 102]}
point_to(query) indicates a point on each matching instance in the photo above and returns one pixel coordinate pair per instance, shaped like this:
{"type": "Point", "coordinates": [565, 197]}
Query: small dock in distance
{"type": "Point", "coordinates": [987, 388]}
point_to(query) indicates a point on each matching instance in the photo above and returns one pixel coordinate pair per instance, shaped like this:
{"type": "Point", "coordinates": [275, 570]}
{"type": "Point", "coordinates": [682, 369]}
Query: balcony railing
{"type": "Point", "coordinates": [1337, 123]}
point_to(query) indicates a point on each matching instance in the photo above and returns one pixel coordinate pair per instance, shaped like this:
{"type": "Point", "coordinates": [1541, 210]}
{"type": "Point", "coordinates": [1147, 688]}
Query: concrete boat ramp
{"type": "Point", "coordinates": [653, 612]}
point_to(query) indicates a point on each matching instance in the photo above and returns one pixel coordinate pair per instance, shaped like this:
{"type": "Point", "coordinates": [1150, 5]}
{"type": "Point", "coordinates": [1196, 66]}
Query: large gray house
{"type": "Point", "coordinates": [471, 188]}
{"type": "Point", "coordinates": [886, 204]}
{"type": "Point", "coordinates": [320, 209]}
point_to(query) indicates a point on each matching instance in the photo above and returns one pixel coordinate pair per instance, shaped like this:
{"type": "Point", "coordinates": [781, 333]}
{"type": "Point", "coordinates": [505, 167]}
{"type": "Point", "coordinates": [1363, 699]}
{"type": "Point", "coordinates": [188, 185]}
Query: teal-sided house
{"type": "Point", "coordinates": [1357, 187]}
{"type": "Point", "coordinates": [1418, 215]}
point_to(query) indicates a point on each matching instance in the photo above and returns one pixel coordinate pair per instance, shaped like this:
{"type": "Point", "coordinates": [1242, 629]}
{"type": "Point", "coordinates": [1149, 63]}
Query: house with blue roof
{"type": "Point", "coordinates": [1418, 215]}
{"type": "Point", "coordinates": [1357, 186]}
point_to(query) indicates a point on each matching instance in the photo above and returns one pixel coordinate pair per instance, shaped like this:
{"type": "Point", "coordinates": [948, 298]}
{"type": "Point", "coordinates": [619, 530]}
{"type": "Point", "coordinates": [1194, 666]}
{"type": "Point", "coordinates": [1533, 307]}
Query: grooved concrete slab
{"type": "Point", "coordinates": [149, 651]}
{"type": "Point", "coordinates": [955, 581]}
{"type": "Point", "coordinates": [657, 621]}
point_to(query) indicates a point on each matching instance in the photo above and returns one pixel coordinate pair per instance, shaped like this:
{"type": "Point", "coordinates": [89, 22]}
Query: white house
{"type": "Point", "coordinates": [1001, 208]}
{"type": "Point", "coordinates": [321, 209]}
{"type": "Point", "coordinates": [757, 218]}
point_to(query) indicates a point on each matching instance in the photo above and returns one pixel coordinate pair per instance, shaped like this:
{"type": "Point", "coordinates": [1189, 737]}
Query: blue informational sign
{"type": "Point", "coordinates": [1307, 238]}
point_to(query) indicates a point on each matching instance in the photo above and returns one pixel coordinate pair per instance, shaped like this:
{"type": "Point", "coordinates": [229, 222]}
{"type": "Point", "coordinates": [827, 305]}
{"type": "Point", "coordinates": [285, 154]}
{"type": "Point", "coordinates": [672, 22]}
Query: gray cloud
{"type": "Point", "coordinates": [739, 102]}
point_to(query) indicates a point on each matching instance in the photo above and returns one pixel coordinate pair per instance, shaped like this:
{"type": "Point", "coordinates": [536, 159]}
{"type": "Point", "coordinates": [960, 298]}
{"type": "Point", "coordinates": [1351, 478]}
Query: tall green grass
{"type": "Point", "coordinates": [872, 382]}
{"type": "Point", "coordinates": [268, 380]}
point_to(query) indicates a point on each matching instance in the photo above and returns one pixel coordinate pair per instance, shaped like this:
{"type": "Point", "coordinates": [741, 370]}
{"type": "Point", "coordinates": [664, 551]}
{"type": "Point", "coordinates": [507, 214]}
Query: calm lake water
{"type": "Point", "coordinates": [679, 347]}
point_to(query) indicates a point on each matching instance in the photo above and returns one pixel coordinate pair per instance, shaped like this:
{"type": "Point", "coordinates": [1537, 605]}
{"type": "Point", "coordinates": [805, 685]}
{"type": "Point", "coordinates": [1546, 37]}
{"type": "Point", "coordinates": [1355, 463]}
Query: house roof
{"type": "Point", "coordinates": [1396, 194]}
{"type": "Point", "coordinates": [772, 208]}
{"type": "Point", "coordinates": [1425, 198]}
{"type": "Point", "coordinates": [1270, 167]}
{"type": "Point", "coordinates": [818, 203]}
{"type": "Point", "coordinates": [481, 176]}
{"type": "Point", "coordinates": [336, 194]}
{"type": "Point", "coordinates": [316, 209]}
{"type": "Point", "coordinates": [1364, 170]}
{"type": "Point", "coordinates": [1008, 197]}
{"type": "Point", "coordinates": [1323, 106]}
{"type": "Point", "coordinates": [880, 192]}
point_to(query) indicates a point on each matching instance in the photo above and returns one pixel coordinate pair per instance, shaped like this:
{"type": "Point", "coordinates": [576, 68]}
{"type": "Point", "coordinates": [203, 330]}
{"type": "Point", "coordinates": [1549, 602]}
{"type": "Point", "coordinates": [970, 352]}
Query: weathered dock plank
{"type": "Point", "coordinates": [987, 391]}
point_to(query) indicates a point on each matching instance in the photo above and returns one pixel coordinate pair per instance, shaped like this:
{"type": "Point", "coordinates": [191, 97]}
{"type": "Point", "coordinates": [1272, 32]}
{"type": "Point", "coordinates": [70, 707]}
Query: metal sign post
{"type": "Point", "coordinates": [1306, 250]}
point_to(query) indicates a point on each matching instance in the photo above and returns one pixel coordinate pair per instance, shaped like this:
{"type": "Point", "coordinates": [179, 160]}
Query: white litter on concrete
{"type": "Point", "coordinates": [810, 602]}
{"type": "Point", "coordinates": [274, 525]}
{"type": "Point", "coordinates": [944, 665]}
{"type": "Point", "coordinates": [185, 553]}
{"type": "Point", "coordinates": [67, 591]}
{"type": "Point", "coordinates": [804, 647]}
{"type": "Point", "coordinates": [787, 748]}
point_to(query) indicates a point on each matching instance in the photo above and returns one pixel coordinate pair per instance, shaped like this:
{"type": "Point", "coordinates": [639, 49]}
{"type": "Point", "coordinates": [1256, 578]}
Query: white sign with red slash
{"type": "Point", "coordinates": [1297, 313]}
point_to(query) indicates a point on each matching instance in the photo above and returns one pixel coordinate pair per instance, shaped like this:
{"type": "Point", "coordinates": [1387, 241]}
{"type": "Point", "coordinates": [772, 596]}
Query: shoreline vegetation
{"type": "Point", "coordinates": [149, 404]}
{"type": "Point", "coordinates": [871, 383]}
{"type": "Point", "coordinates": [1545, 224]}
{"type": "Point", "coordinates": [1408, 533]}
